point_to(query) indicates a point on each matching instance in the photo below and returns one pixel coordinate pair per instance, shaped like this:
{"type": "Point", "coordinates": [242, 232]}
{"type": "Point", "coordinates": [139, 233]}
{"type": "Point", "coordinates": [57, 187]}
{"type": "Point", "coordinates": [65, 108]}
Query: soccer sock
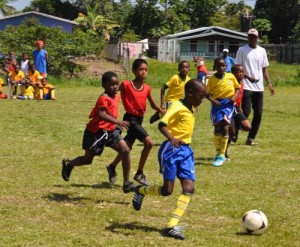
{"type": "Point", "coordinates": [223, 144]}
{"type": "Point", "coordinates": [217, 139]}
{"type": "Point", "coordinates": [182, 203]}
{"type": "Point", "coordinates": [153, 190]}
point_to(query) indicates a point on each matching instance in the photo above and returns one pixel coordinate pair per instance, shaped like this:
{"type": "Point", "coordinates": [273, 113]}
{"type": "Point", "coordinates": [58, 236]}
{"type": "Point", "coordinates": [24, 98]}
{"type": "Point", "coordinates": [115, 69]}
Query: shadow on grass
{"type": "Point", "coordinates": [103, 185]}
{"type": "Point", "coordinates": [116, 226]}
{"type": "Point", "coordinates": [154, 145]}
{"type": "Point", "coordinates": [203, 161]}
{"type": "Point", "coordinates": [57, 197]}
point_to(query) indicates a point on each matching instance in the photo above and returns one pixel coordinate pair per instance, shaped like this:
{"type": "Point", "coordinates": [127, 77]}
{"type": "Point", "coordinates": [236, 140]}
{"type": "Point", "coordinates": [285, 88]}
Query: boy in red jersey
{"type": "Point", "coordinates": [239, 119]}
{"type": "Point", "coordinates": [134, 96]}
{"type": "Point", "coordinates": [103, 131]}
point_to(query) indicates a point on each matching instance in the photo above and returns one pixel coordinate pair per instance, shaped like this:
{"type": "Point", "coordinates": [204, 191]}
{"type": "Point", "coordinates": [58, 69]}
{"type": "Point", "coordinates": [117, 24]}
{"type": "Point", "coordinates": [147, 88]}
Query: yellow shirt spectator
{"type": "Point", "coordinates": [17, 76]}
{"type": "Point", "coordinates": [175, 88]}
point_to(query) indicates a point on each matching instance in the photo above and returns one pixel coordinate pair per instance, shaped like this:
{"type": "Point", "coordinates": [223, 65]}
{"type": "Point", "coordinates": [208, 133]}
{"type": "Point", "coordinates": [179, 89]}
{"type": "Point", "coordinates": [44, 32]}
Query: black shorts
{"type": "Point", "coordinates": [239, 116]}
{"type": "Point", "coordinates": [135, 131]}
{"type": "Point", "coordinates": [95, 142]}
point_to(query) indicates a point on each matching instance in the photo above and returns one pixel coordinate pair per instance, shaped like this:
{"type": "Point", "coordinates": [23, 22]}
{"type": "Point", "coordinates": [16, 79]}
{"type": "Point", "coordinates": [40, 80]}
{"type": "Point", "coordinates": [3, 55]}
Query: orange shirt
{"type": "Point", "coordinates": [17, 76]}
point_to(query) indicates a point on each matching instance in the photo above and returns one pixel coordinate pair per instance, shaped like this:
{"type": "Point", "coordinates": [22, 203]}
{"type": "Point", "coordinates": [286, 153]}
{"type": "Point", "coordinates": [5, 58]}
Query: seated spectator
{"type": "Point", "coordinates": [35, 79]}
{"type": "Point", "coordinates": [16, 77]}
{"type": "Point", "coordinates": [27, 91]}
{"type": "Point", "coordinates": [47, 91]}
{"type": "Point", "coordinates": [2, 95]}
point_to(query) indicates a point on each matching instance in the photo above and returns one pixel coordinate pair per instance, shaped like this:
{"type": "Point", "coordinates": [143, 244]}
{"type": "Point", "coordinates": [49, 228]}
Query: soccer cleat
{"type": "Point", "coordinates": [173, 232]}
{"type": "Point", "coordinates": [251, 142]}
{"type": "Point", "coordinates": [219, 160]}
{"type": "Point", "coordinates": [111, 175]}
{"type": "Point", "coordinates": [141, 178]}
{"type": "Point", "coordinates": [137, 198]}
{"type": "Point", "coordinates": [128, 187]}
{"type": "Point", "coordinates": [234, 138]}
{"type": "Point", "coordinates": [66, 170]}
{"type": "Point", "coordinates": [154, 117]}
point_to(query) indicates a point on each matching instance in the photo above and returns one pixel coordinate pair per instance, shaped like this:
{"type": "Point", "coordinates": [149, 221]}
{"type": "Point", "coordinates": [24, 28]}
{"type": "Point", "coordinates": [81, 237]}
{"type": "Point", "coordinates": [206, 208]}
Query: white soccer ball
{"type": "Point", "coordinates": [255, 222]}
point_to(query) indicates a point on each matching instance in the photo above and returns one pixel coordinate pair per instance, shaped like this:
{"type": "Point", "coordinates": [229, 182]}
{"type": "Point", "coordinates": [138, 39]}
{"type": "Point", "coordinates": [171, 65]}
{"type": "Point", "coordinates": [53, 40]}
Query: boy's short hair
{"type": "Point", "coordinates": [106, 77]}
{"type": "Point", "coordinates": [218, 59]}
{"type": "Point", "coordinates": [235, 67]}
{"type": "Point", "coordinates": [192, 84]}
{"type": "Point", "coordinates": [138, 62]}
{"type": "Point", "coordinates": [181, 63]}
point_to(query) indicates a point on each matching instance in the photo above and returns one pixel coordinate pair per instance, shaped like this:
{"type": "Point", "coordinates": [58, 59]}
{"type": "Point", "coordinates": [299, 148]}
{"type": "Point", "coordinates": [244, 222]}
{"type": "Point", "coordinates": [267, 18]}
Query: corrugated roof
{"type": "Point", "coordinates": [41, 14]}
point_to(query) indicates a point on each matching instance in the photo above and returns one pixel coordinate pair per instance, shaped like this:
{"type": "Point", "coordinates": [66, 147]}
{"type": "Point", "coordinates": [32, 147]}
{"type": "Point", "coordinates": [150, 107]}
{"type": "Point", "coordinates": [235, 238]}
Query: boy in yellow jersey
{"type": "Point", "coordinates": [222, 90]}
{"type": "Point", "coordinates": [47, 91]}
{"type": "Point", "coordinates": [2, 95]}
{"type": "Point", "coordinates": [35, 79]}
{"type": "Point", "coordinates": [27, 91]}
{"type": "Point", "coordinates": [175, 87]}
{"type": "Point", "coordinates": [176, 158]}
{"type": "Point", "coordinates": [17, 78]}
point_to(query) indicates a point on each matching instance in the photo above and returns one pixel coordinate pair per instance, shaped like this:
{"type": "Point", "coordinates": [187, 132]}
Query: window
{"type": "Point", "coordinates": [193, 45]}
{"type": "Point", "coordinates": [211, 46]}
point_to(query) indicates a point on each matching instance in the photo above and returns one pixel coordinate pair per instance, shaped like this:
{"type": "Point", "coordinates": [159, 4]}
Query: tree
{"type": "Point", "coordinates": [283, 14]}
{"type": "Point", "coordinates": [94, 23]}
{"type": "Point", "coordinates": [263, 26]}
{"type": "Point", "coordinates": [6, 9]}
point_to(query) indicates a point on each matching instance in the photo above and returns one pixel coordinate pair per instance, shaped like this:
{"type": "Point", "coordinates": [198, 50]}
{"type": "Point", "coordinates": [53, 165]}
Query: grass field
{"type": "Point", "coordinates": [37, 208]}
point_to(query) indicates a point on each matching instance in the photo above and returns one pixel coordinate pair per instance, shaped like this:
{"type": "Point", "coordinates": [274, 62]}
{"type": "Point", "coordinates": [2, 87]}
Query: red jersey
{"type": "Point", "coordinates": [238, 101]}
{"type": "Point", "coordinates": [134, 101]}
{"type": "Point", "coordinates": [202, 68]}
{"type": "Point", "coordinates": [112, 108]}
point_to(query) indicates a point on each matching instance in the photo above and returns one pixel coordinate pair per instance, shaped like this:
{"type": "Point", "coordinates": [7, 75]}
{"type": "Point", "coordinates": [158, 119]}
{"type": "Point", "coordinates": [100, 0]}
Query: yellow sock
{"type": "Point", "coordinates": [182, 203]}
{"type": "Point", "coordinates": [153, 190]}
{"type": "Point", "coordinates": [223, 144]}
{"type": "Point", "coordinates": [217, 139]}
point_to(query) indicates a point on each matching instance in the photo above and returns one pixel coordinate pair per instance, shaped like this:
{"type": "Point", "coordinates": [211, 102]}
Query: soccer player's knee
{"type": "Point", "coordinates": [125, 150]}
{"type": "Point", "coordinates": [166, 191]}
{"type": "Point", "coordinates": [149, 143]}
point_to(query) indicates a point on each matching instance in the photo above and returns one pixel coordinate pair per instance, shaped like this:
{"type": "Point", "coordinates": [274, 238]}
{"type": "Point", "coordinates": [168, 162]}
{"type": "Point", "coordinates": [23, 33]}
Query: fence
{"type": "Point", "coordinates": [286, 53]}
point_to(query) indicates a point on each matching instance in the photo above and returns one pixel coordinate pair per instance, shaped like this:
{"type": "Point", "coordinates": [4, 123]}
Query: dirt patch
{"type": "Point", "coordinates": [96, 67]}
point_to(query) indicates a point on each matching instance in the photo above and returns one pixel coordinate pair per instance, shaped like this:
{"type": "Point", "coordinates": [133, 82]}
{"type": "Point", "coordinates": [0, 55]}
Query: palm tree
{"type": "Point", "coordinates": [6, 9]}
{"type": "Point", "coordinates": [94, 23]}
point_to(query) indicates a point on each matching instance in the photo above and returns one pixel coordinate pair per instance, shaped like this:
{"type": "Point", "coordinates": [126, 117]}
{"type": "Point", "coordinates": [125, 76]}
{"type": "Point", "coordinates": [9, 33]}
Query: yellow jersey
{"type": "Point", "coordinates": [180, 121]}
{"type": "Point", "coordinates": [222, 88]}
{"type": "Point", "coordinates": [34, 77]}
{"type": "Point", "coordinates": [28, 91]}
{"type": "Point", "coordinates": [17, 76]}
{"type": "Point", "coordinates": [175, 88]}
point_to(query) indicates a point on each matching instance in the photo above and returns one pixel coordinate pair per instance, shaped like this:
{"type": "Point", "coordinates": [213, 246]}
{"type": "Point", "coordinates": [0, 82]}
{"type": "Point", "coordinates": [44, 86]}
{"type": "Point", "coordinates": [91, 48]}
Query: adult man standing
{"type": "Point", "coordinates": [255, 62]}
{"type": "Point", "coordinates": [228, 60]}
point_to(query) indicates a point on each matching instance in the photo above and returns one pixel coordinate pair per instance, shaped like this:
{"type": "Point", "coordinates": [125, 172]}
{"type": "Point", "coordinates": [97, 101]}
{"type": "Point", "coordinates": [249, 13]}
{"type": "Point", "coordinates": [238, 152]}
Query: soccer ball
{"type": "Point", "coordinates": [255, 222]}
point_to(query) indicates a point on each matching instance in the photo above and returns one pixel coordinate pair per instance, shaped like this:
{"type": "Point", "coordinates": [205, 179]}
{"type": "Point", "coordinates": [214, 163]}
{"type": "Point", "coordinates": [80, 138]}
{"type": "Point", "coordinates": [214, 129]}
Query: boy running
{"type": "Point", "coordinates": [175, 156]}
{"type": "Point", "coordinates": [103, 131]}
{"type": "Point", "coordinates": [134, 96]}
{"type": "Point", "coordinates": [222, 90]}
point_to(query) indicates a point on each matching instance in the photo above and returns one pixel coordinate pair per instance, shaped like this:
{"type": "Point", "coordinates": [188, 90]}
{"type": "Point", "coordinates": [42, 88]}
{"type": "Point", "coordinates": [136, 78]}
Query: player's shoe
{"type": "Point", "coordinates": [128, 187]}
{"type": "Point", "coordinates": [173, 232]}
{"type": "Point", "coordinates": [251, 142]}
{"type": "Point", "coordinates": [66, 170]}
{"type": "Point", "coordinates": [111, 175]}
{"type": "Point", "coordinates": [219, 160]}
{"type": "Point", "coordinates": [141, 178]}
{"type": "Point", "coordinates": [137, 198]}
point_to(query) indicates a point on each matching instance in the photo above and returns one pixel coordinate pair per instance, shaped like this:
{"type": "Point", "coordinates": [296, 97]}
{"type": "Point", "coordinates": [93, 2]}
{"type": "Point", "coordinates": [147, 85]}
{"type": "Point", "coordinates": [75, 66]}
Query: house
{"type": "Point", "coordinates": [207, 42]}
{"type": "Point", "coordinates": [44, 19]}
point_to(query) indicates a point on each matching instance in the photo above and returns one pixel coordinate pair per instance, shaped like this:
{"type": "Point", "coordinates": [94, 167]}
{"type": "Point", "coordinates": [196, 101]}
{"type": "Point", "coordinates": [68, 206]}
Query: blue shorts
{"type": "Point", "coordinates": [176, 162]}
{"type": "Point", "coordinates": [223, 112]}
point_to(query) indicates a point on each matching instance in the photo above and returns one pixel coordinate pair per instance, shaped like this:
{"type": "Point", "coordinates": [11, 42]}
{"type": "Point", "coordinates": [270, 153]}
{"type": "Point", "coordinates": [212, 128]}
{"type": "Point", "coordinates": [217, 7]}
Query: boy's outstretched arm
{"type": "Point", "coordinates": [164, 130]}
{"type": "Point", "coordinates": [104, 116]}
{"type": "Point", "coordinates": [154, 105]}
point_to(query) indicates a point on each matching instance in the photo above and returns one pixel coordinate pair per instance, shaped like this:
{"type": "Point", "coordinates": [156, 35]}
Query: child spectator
{"type": "Point", "coordinates": [40, 57]}
{"type": "Point", "coordinates": [239, 119]}
{"type": "Point", "coordinates": [2, 95]}
{"type": "Point", "coordinates": [222, 90]}
{"type": "Point", "coordinates": [175, 86]}
{"type": "Point", "coordinates": [25, 63]}
{"type": "Point", "coordinates": [175, 155]}
{"type": "Point", "coordinates": [16, 78]}
{"type": "Point", "coordinates": [134, 96]}
{"type": "Point", "coordinates": [10, 62]}
{"type": "Point", "coordinates": [35, 79]}
{"type": "Point", "coordinates": [27, 91]}
{"type": "Point", "coordinates": [47, 91]}
{"type": "Point", "coordinates": [201, 69]}
{"type": "Point", "coordinates": [103, 130]}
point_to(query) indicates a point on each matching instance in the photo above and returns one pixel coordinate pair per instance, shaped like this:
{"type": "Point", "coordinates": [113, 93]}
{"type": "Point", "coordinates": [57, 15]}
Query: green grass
{"type": "Point", "coordinates": [37, 208]}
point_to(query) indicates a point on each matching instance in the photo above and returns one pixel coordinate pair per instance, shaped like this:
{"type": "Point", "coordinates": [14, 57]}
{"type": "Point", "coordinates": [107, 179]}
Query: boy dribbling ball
{"type": "Point", "coordinates": [176, 158]}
